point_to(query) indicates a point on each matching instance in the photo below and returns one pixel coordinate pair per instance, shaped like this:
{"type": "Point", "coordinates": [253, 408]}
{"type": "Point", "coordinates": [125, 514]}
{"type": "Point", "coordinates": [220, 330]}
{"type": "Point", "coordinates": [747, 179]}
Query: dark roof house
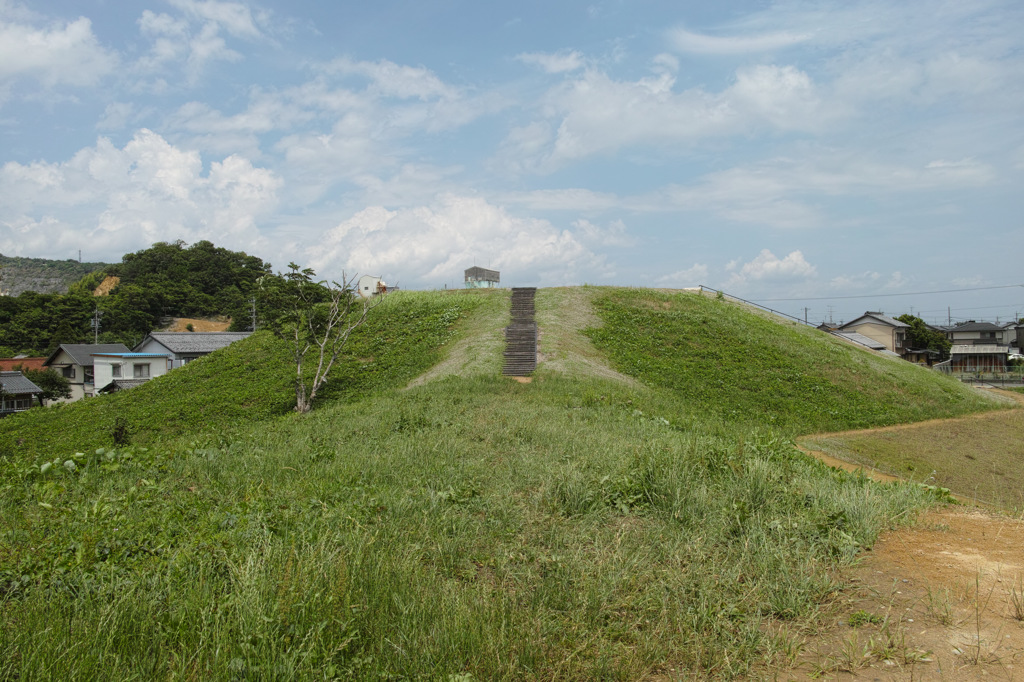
{"type": "Point", "coordinates": [183, 347]}
{"type": "Point", "coordinates": [75, 362]}
{"type": "Point", "coordinates": [16, 392]}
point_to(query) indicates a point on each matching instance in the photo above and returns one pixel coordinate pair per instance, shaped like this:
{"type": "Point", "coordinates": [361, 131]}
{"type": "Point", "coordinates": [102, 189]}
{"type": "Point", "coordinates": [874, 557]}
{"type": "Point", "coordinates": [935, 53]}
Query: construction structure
{"type": "Point", "coordinates": [370, 286]}
{"type": "Point", "coordinates": [482, 278]}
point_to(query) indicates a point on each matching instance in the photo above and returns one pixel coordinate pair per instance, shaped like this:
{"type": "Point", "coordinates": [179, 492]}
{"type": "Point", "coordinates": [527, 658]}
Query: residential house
{"type": "Point", "coordinates": [74, 361]}
{"type": "Point", "coordinates": [981, 333]}
{"type": "Point", "coordinates": [184, 347]}
{"type": "Point", "coordinates": [892, 334]}
{"type": "Point", "coordinates": [978, 358]}
{"type": "Point", "coordinates": [16, 393]}
{"type": "Point", "coordinates": [118, 371]}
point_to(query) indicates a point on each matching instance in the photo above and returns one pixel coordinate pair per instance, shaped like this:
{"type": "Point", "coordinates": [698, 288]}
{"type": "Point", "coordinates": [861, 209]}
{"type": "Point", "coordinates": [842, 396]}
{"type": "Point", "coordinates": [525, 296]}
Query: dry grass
{"type": "Point", "coordinates": [977, 456]}
{"type": "Point", "coordinates": [481, 342]}
{"type": "Point", "coordinates": [562, 314]}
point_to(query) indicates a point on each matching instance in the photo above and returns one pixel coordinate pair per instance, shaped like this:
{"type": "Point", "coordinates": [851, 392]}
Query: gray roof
{"type": "Point", "coordinates": [194, 342]}
{"type": "Point", "coordinates": [15, 383]}
{"type": "Point", "coordinates": [121, 385]}
{"type": "Point", "coordinates": [977, 327]}
{"type": "Point", "coordinates": [861, 339]}
{"type": "Point", "coordinates": [81, 353]}
{"type": "Point", "coordinates": [880, 317]}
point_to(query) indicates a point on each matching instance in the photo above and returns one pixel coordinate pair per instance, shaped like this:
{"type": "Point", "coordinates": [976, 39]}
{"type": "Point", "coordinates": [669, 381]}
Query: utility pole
{"type": "Point", "coordinates": [97, 314]}
{"type": "Point", "coordinates": [805, 315]}
{"type": "Point", "coordinates": [949, 316]}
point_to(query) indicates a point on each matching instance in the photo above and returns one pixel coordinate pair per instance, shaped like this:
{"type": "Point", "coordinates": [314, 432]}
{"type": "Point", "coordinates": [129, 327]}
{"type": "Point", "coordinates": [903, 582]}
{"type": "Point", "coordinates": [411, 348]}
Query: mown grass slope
{"type": "Point", "coordinates": [728, 363]}
{"type": "Point", "coordinates": [469, 528]}
{"type": "Point", "coordinates": [249, 381]}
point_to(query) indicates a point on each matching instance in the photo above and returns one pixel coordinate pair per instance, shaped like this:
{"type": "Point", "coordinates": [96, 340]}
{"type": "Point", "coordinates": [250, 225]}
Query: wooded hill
{"type": "Point", "coordinates": [165, 280]}
{"type": "Point", "coordinates": [43, 276]}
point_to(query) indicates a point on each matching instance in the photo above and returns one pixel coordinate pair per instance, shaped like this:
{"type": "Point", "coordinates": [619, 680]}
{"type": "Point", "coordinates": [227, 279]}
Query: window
{"type": "Point", "coordinates": [88, 374]}
{"type": "Point", "coordinates": [140, 371]}
{"type": "Point", "coordinates": [115, 371]}
{"type": "Point", "coordinates": [68, 372]}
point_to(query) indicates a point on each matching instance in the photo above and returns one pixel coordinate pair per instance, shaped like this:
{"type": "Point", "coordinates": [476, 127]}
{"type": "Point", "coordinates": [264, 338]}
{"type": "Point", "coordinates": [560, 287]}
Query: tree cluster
{"type": "Point", "coordinates": [921, 336]}
{"type": "Point", "coordinates": [165, 280]}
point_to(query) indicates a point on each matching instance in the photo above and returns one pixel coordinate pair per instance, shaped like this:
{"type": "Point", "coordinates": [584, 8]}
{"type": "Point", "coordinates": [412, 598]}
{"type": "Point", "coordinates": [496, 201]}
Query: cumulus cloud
{"type": "Point", "coordinates": [556, 62]}
{"type": "Point", "coordinates": [767, 267]}
{"type": "Point", "coordinates": [432, 244]}
{"type": "Point", "coordinates": [59, 54]}
{"type": "Point", "coordinates": [120, 199]}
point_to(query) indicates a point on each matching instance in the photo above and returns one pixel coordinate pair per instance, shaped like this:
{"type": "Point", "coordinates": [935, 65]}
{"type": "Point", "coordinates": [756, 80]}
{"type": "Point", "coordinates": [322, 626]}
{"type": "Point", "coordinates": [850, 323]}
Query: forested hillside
{"type": "Point", "coordinates": [18, 275]}
{"type": "Point", "coordinates": [165, 280]}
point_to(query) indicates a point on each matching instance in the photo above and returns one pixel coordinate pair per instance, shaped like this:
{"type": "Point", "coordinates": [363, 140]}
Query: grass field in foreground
{"type": "Point", "coordinates": [482, 528]}
{"type": "Point", "coordinates": [976, 457]}
{"type": "Point", "coordinates": [471, 528]}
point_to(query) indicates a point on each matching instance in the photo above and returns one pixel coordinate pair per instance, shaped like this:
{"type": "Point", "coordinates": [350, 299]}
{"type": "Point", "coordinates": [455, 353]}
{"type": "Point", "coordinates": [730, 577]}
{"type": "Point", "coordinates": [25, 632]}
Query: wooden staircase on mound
{"type": "Point", "coordinates": [521, 335]}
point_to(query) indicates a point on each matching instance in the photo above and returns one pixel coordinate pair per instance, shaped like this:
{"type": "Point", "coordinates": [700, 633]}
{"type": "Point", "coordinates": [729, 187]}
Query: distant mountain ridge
{"type": "Point", "coordinates": [41, 275]}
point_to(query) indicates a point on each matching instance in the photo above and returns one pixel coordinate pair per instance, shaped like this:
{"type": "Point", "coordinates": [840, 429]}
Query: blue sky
{"type": "Point", "coordinates": [812, 152]}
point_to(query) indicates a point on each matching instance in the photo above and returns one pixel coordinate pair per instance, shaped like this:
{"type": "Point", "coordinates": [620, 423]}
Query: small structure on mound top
{"type": "Point", "coordinates": [482, 278]}
{"type": "Point", "coordinates": [370, 286]}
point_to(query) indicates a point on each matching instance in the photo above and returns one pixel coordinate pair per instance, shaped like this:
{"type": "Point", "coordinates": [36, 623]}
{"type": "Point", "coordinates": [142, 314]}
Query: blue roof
{"type": "Point", "coordinates": [131, 355]}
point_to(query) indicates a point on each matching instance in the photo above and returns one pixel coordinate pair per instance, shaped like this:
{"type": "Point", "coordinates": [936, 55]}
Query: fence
{"type": "Point", "coordinates": [1013, 377]}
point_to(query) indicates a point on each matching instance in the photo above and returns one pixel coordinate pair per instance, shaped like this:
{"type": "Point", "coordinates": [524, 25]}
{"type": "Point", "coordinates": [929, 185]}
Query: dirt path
{"type": "Point", "coordinates": [942, 600]}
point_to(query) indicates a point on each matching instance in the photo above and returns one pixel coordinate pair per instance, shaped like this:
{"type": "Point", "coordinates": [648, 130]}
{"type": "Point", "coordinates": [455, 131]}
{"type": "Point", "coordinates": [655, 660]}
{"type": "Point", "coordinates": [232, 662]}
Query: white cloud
{"type": "Point", "coordinates": [111, 200]}
{"type": "Point", "coordinates": [596, 114]}
{"type": "Point", "coordinates": [61, 54]}
{"type": "Point", "coordinates": [615, 234]}
{"type": "Point", "coordinates": [767, 267]}
{"type": "Point", "coordinates": [692, 276]}
{"type": "Point", "coordinates": [194, 39]}
{"type": "Point", "coordinates": [699, 43]}
{"type": "Point", "coordinates": [431, 245]}
{"type": "Point", "coordinates": [557, 62]}
{"type": "Point", "coordinates": [234, 17]}
{"type": "Point", "coordinates": [394, 80]}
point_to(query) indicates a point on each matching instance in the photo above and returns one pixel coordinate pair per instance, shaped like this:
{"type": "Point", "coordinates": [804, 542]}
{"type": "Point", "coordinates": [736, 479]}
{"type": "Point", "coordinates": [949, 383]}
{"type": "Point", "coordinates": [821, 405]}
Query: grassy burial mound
{"type": "Point", "coordinates": [728, 363]}
{"type": "Point", "coordinates": [249, 381]}
{"type": "Point", "coordinates": [468, 528]}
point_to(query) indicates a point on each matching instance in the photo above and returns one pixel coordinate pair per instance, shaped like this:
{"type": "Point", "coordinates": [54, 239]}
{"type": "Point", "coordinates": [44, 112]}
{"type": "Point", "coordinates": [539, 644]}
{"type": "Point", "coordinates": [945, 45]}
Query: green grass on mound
{"type": "Point", "coordinates": [463, 530]}
{"type": "Point", "coordinates": [724, 361]}
{"type": "Point", "coordinates": [249, 381]}
{"type": "Point", "coordinates": [472, 528]}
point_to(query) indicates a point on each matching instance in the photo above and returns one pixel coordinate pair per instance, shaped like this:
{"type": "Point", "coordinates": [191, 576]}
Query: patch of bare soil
{"type": "Point", "coordinates": [217, 324]}
{"type": "Point", "coordinates": [943, 600]}
{"type": "Point", "coordinates": [106, 286]}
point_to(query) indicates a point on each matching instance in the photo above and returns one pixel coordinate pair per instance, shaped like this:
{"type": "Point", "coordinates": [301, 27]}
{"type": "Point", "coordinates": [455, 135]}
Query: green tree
{"type": "Point", "coordinates": [920, 335]}
{"type": "Point", "coordinates": [317, 317]}
{"type": "Point", "coordinates": [53, 384]}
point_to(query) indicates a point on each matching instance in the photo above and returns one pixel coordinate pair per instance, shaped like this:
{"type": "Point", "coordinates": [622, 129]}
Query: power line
{"type": "Point", "coordinates": [909, 293]}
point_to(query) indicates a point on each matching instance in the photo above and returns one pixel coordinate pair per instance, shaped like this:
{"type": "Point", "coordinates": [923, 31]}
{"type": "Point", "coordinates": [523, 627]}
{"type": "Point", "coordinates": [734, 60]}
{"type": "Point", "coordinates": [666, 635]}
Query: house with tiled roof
{"type": "Point", "coordinates": [74, 362]}
{"type": "Point", "coordinates": [17, 393]}
{"type": "Point", "coordinates": [879, 327]}
{"type": "Point", "coordinates": [981, 333]}
{"type": "Point", "coordinates": [184, 347]}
